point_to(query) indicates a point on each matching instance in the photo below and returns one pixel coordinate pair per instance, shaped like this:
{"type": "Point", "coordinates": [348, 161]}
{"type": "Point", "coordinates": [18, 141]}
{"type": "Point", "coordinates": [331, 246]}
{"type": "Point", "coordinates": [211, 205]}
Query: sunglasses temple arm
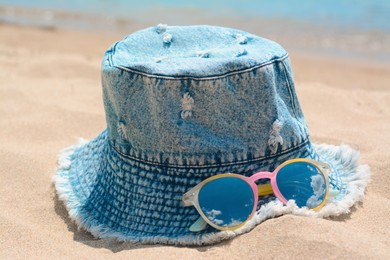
{"type": "Point", "coordinates": [199, 225]}
{"type": "Point", "coordinates": [264, 189]}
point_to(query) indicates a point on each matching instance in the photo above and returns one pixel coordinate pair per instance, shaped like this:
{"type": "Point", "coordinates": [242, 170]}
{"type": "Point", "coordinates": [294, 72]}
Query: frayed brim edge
{"type": "Point", "coordinates": [72, 202]}
{"type": "Point", "coordinates": [62, 184]}
{"type": "Point", "coordinates": [84, 221]}
{"type": "Point", "coordinates": [342, 157]}
{"type": "Point", "coordinates": [355, 176]}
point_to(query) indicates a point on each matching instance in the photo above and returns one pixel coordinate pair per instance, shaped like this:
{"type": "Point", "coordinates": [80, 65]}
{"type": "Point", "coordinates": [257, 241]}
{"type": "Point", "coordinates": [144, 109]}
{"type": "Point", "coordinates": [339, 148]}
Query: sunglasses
{"type": "Point", "coordinates": [227, 201]}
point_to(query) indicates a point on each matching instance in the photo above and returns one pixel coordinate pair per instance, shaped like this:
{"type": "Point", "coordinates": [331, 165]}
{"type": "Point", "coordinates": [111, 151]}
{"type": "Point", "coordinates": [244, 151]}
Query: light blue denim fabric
{"type": "Point", "coordinates": [182, 104]}
{"type": "Point", "coordinates": [167, 105]}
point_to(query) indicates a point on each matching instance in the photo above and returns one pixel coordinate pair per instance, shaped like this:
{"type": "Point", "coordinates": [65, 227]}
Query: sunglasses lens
{"type": "Point", "coordinates": [226, 202]}
{"type": "Point", "coordinates": [302, 182]}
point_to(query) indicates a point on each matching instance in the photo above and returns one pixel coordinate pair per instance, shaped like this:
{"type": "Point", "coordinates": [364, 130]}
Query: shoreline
{"type": "Point", "coordinates": [295, 35]}
{"type": "Point", "coordinates": [315, 62]}
{"type": "Point", "coordinates": [51, 94]}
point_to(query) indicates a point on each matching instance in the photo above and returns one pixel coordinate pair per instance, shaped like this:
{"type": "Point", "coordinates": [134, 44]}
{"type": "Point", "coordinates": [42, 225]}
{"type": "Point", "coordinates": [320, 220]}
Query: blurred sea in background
{"type": "Point", "coordinates": [343, 28]}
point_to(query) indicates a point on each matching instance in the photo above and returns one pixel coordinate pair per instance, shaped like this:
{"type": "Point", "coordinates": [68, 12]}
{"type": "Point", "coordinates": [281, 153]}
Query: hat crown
{"type": "Point", "coordinates": [200, 95]}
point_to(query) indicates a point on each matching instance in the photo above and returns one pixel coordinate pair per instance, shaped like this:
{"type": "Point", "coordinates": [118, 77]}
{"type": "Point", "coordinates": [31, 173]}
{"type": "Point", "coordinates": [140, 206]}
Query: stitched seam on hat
{"type": "Point", "coordinates": [110, 60]}
{"type": "Point", "coordinates": [144, 197]}
{"type": "Point", "coordinates": [202, 78]}
{"type": "Point", "coordinates": [171, 209]}
{"type": "Point", "coordinates": [98, 210]}
{"type": "Point", "coordinates": [84, 188]}
{"type": "Point", "coordinates": [128, 204]}
{"type": "Point", "coordinates": [120, 219]}
{"type": "Point", "coordinates": [305, 141]}
{"type": "Point", "coordinates": [129, 227]}
{"type": "Point", "coordinates": [289, 89]}
{"type": "Point", "coordinates": [119, 222]}
{"type": "Point", "coordinates": [142, 186]}
{"type": "Point", "coordinates": [112, 52]}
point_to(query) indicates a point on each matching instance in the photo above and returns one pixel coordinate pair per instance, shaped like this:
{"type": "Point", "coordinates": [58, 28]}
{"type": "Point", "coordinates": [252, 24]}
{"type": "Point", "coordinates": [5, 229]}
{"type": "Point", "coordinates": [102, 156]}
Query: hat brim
{"type": "Point", "coordinates": [95, 182]}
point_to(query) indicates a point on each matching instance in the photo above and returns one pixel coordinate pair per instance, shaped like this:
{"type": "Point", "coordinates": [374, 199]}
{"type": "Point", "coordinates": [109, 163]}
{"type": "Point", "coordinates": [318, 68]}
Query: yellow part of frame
{"type": "Point", "coordinates": [264, 189]}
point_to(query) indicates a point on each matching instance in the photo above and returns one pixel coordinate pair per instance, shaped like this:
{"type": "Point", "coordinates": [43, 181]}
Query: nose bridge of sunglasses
{"type": "Point", "coordinates": [261, 175]}
{"type": "Point", "coordinates": [264, 189]}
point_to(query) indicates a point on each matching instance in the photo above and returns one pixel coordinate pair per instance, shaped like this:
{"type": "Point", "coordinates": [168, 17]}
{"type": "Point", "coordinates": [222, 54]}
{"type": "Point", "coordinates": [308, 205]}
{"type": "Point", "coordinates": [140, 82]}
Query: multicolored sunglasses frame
{"type": "Point", "coordinates": [190, 198]}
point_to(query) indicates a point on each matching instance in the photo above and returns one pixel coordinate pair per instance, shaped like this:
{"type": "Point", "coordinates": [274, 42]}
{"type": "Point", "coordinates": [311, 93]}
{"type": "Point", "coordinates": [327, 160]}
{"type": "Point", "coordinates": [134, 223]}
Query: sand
{"type": "Point", "coordinates": [50, 94]}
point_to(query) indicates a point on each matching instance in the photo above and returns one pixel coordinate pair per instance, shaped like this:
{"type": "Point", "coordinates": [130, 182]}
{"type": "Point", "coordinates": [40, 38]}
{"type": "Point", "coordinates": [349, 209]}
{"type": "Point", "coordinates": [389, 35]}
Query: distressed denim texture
{"type": "Point", "coordinates": [187, 110]}
{"type": "Point", "coordinates": [183, 104]}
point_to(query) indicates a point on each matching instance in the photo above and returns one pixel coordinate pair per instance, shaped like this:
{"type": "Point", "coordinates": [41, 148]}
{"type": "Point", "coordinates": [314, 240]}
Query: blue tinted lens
{"type": "Point", "coordinates": [227, 202]}
{"type": "Point", "coordinates": [302, 182]}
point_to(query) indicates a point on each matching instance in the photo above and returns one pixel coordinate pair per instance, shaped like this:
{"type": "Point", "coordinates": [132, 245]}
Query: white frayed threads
{"type": "Point", "coordinates": [186, 103]}
{"type": "Point", "coordinates": [242, 52]}
{"type": "Point", "coordinates": [121, 129]}
{"type": "Point", "coordinates": [203, 54]}
{"type": "Point", "coordinates": [161, 28]}
{"type": "Point", "coordinates": [167, 38]}
{"type": "Point", "coordinates": [241, 39]}
{"type": "Point", "coordinates": [275, 138]}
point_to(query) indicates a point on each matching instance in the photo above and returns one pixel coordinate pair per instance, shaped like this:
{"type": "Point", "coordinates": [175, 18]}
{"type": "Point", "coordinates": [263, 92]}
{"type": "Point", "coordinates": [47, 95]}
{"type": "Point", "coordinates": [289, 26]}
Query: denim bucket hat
{"type": "Point", "coordinates": [183, 104]}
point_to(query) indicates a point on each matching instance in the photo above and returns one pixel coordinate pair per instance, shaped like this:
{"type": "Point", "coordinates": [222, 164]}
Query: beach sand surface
{"type": "Point", "coordinates": [50, 94]}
